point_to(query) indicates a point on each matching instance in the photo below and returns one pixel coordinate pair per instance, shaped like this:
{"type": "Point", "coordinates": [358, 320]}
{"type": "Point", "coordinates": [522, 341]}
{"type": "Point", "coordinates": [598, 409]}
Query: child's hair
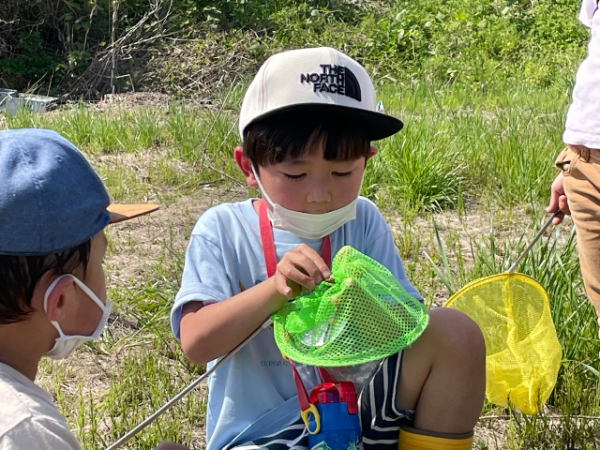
{"type": "Point", "coordinates": [20, 274]}
{"type": "Point", "coordinates": [289, 135]}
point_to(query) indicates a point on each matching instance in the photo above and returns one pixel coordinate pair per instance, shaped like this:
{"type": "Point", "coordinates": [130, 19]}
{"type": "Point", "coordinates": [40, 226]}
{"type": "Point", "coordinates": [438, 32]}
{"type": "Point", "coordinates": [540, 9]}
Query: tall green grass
{"type": "Point", "coordinates": [494, 144]}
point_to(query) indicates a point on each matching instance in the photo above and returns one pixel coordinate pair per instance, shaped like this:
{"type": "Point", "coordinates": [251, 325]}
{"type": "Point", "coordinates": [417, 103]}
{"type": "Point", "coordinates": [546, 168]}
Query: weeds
{"type": "Point", "coordinates": [457, 42]}
{"type": "Point", "coordinates": [500, 149]}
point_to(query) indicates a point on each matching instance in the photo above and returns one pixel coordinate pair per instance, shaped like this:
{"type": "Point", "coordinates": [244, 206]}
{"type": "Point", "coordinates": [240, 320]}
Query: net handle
{"type": "Point", "coordinates": [186, 390]}
{"type": "Point", "coordinates": [532, 243]}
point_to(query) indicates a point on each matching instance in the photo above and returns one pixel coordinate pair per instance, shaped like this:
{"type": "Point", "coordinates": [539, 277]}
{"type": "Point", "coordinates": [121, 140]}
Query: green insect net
{"type": "Point", "coordinates": [362, 314]}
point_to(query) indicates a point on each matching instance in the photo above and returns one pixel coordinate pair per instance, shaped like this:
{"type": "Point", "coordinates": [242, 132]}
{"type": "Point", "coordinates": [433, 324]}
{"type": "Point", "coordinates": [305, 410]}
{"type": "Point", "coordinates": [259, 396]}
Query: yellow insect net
{"type": "Point", "coordinates": [523, 352]}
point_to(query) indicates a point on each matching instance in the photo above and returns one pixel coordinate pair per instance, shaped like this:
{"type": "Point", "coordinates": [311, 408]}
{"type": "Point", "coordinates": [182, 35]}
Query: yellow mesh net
{"type": "Point", "coordinates": [363, 315]}
{"type": "Point", "coordinates": [523, 352]}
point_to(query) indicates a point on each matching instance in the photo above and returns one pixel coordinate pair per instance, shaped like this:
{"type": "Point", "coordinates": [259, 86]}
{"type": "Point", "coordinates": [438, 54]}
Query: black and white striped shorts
{"type": "Point", "coordinates": [379, 417]}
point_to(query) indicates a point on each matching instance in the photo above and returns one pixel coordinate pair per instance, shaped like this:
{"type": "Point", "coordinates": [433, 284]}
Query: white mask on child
{"type": "Point", "coordinates": [308, 226]}
{"type": "Point", "coordinates": [65, 345]}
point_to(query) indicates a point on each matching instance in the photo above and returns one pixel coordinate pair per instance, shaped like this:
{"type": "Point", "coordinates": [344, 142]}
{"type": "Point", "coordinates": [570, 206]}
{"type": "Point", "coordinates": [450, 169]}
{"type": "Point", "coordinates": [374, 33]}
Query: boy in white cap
{"type": "Point", "coordinates": [576, 189]}
{"type": "Point", "coordinates": [307, 122]}
{"type": "Point", "coordinates": [53, 210]}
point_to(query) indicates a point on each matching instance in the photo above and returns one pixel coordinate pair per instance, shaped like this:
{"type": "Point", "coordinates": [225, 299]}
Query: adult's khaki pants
{"type": "Point", "coordinates": [581, 172]}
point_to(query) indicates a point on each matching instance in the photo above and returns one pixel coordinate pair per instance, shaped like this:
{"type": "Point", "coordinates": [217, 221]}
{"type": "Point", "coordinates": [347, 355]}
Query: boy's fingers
{"type": "Point", "coordinates": [282, 286]}
{"type": "Point", "coordinates": [553, 205]}
{"type": "Point", "coordinates": [556, 191]}
{"type": "Point", "coordinates": [558, 201]}
{"type": "Point", "coordinates": [319, 263]}
{"type": "Point", "coordinates": [305, 264]}
{"type": "Point", "coordinates": [296, 275]}
{"type": "Point", "coordinates": [563, 204]}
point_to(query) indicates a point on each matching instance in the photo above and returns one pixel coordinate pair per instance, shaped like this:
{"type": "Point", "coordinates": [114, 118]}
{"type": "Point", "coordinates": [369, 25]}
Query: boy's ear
{"type": "Point", "coordinates": [245, 166]}
{"type": "Point", "coordinates": [372, 152]}
{"type": "Point", "coordinates": [58, 299]}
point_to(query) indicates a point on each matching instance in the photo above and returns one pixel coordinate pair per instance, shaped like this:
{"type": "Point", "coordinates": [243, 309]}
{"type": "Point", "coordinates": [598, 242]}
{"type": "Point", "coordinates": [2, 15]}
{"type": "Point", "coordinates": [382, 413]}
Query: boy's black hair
{"type": "Point", "coordinates": [273, 139]}
{"type": "Point", "coordinates": [20, 274]}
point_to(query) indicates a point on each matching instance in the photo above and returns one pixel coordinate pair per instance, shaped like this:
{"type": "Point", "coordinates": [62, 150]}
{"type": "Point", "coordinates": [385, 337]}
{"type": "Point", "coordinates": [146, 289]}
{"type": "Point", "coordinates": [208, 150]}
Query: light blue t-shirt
{"type": "Point", "coordinates": [253, 394]}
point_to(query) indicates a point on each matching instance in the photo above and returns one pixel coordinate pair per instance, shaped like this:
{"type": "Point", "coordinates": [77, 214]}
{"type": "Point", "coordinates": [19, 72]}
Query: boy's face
{"type": "Point", "coordinates": [309, 183]}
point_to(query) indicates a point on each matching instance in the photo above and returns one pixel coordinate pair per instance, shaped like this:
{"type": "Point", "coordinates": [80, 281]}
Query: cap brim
{"type": "Point", "coordinates": [119, 213]}
{"type": "Point", "coordinates": [377, 124]}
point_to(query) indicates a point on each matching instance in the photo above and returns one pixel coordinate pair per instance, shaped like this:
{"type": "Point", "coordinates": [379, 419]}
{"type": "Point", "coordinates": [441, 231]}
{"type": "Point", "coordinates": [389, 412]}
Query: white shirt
{"type": "Point", "coordinates": [588, 9]}
{"type": "Point", "coordinates": [583, 119]}
{"type": "Point", "coordinates": [29, 420]}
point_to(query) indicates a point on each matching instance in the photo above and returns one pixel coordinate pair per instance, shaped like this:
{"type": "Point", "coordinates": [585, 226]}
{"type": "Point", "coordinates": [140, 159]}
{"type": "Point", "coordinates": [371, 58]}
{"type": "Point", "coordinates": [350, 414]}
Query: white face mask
{"type": "Point", "coordinates": [308, 226]}
{"type": "Point", "coordinates": [65, 345]}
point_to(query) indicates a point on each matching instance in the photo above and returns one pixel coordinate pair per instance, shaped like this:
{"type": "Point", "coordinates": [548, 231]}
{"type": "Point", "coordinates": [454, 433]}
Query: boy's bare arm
{"type": "Point", "coordinates": [210, 331]}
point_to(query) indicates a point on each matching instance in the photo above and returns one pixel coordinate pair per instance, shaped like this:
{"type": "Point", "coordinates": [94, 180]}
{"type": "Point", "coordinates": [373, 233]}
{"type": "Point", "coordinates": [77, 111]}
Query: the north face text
{"type": "Point", "coordinates": [335, 80]}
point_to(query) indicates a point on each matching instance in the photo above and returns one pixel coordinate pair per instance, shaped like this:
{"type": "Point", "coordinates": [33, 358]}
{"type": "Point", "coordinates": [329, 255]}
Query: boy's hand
{"type": "Point", "coordinates": [558, 200]}
{"type": "Point", "coordinates": [301, 267]}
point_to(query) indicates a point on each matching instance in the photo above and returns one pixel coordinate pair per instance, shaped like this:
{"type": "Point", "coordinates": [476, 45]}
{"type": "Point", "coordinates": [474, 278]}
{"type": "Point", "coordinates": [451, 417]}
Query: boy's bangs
{"type": "Point", "coordinates": [272, 140]}
{"type": "Point", "coordinates": [337, 144]}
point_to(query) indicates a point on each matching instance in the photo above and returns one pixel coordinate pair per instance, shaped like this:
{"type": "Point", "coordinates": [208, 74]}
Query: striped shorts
{"type": "Point", "coordinates": [379, 417]}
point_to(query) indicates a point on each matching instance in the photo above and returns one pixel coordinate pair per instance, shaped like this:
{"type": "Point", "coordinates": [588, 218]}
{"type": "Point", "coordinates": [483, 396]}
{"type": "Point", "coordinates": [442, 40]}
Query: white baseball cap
{"type": "Point", "coordinates": [315, 79]}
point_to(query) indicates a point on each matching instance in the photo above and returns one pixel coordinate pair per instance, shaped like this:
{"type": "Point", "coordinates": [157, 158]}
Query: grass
{"type": "Point", "coordinates": [478, 162]}
{"type": "Point", "coordinates": [453, 145]}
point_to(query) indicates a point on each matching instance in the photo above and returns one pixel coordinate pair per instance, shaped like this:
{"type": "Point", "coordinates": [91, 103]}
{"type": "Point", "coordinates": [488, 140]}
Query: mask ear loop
{"type": "Point", "coordinates": [88, 291]}
{"type": "Point", "coordinates": [262, 189]}
{"type": "Point", "coordinates": [82, 286]}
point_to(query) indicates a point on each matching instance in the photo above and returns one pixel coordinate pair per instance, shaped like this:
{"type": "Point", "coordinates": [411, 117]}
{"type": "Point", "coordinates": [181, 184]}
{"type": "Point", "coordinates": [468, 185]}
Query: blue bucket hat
{"type": "Point", "coordinates": [51, 199]}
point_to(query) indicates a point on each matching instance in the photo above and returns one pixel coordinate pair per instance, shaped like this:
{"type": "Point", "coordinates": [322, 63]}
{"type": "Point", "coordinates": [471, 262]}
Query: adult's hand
{"type": "Point", "coordinates": [558, 200]}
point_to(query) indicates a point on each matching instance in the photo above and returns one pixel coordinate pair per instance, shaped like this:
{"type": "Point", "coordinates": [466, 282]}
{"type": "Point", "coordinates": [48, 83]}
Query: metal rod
{"type": "Point", "coordinates": [531, 244]}
{"type": "Point", "coordinates": [186, 390]}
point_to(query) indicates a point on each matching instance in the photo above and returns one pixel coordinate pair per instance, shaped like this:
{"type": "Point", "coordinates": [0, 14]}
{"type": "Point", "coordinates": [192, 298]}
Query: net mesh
{"type": "Point", "coordinates": [363, 315]}
{"type": "Point", "coordinates": [523, 352]}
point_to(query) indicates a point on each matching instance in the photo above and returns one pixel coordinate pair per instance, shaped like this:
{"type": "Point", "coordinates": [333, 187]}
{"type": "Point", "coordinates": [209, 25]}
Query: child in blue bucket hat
{"type": "Point", "coordinates": [53, 210]}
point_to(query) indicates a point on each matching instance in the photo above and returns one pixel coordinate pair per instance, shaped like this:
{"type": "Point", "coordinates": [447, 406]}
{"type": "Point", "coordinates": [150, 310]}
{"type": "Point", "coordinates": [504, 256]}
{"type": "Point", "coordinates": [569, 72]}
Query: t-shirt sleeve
{"type": "Point", "coordinates": [384, 251]}
{"type": "Point", "coordinates": [381, 247]}
{"type": "Point", "coordinates": [204, 277]}
{"type": "Point", "coordinates": [39, 433]}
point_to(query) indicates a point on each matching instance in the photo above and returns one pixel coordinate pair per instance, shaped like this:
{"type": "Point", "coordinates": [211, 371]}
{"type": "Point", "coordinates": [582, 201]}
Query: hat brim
{"type": "Point", "coordinates": [377, 125]}
{"type": "Point", "coordinates": [121, 212]}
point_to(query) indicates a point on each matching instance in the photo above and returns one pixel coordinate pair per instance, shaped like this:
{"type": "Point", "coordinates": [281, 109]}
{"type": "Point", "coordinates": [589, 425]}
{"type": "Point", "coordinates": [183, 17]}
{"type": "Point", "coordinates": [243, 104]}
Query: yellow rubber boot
{"type": "Point", "coordinates": [413, 439]}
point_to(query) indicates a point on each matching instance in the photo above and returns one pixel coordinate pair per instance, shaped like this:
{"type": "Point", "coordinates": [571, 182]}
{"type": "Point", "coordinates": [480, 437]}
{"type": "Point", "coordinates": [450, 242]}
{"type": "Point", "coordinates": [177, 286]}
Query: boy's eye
{"type": "Point", "coordinates": [294, 177]}
{"type": "Point", "coordinates": [342, 174]}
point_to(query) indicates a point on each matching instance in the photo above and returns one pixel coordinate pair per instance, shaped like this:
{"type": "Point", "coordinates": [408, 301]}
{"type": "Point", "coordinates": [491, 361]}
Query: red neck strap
{"type": "Point", "coordinates": [268, 243]}
{"type": "Point", "coordinates": [301, 390]}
